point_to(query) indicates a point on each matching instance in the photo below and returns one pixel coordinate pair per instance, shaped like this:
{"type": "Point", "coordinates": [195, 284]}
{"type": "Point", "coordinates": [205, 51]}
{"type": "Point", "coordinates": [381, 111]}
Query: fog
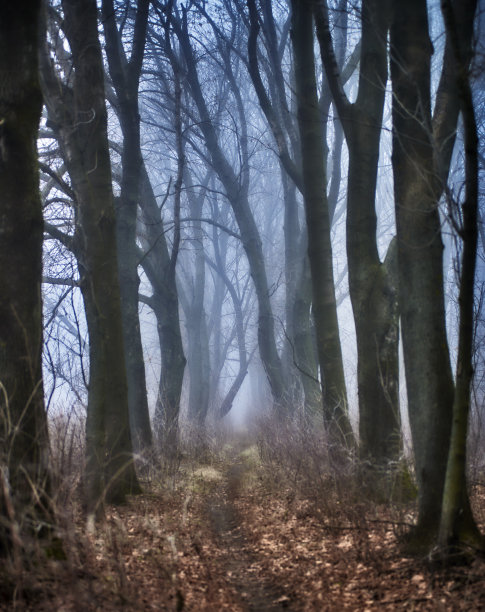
{"type": "Point", "coordinates": [219, 143]}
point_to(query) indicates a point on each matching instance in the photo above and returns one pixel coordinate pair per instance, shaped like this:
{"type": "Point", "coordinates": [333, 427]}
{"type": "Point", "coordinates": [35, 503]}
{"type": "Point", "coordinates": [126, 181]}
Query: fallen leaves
{"type": "Point", "coordinates": [238, 546]}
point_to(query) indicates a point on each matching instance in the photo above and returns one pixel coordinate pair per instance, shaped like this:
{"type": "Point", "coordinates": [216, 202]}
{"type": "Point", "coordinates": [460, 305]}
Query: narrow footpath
{"type": "Point", "coordinates": [257, 592]}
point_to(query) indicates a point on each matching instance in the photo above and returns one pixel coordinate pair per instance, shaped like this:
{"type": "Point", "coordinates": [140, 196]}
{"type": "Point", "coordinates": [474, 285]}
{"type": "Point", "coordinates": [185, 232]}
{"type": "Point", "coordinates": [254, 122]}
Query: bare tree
{"type": "Point", "coordinates": [24, 468]}
{"type": "Point", "coordinates": [372, 283]}
{"type": "Point", "coordinates": [458, 530]}
{"type": "Point", "coordinates": [236, 189]}
{"type": "Point", "coordinates": [421, 154]}
{"type": "Point", "coordinates": [125, 76]}
{"type": "Point", "coordinates": [77, 115]}
{"type": "Point", "coordinates": [318, 227]}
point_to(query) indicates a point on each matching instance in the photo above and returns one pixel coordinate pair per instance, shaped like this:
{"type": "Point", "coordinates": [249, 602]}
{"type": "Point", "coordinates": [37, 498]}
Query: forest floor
{"type": "Point", "coordinates": [230, 535]}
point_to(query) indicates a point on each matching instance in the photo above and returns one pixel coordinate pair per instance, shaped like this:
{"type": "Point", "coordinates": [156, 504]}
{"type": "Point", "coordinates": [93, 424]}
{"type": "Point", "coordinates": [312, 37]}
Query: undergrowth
{"type": "Point", "coordinates": [335, 487]}
{"type": "Point", "coordinates": [290, 464]}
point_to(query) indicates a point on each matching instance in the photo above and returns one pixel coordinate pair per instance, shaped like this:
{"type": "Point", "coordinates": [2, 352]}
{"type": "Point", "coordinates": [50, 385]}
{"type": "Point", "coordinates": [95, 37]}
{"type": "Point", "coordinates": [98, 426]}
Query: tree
{"type": "Point", "coordinates": [299, 357]}
{"type": "Point", "coordinates": [195, 315]}
{"type": "Point", "coordinates": [125, 76]}
{"type": "Point", "coordinates": [457, 527]}
{"type": "Point", "coordinates": [372, 283]}
{"type": "Point", "coordinates": [237, 298]}
{"type": "Point", "coordinates": [422, 148]}
{"type": "Point", "coordinates": [77, 115]}
{"type": "Point", "coordinates": [318, 227]}
{"type": "Point", "coordinates": [159, 266]}
{"type": "Point", "coordinates": [24, 465]}
{"type": "Point", "coordinates": [236, 187]}
{"type": "Point", "coordinates": [158, 261]}
{"type": "Point", "coordinates": [277, 100]}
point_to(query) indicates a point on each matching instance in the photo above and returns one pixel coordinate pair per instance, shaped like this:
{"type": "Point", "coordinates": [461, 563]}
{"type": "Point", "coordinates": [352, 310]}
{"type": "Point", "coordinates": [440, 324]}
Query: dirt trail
{"type": "Point", "coordinates": [257, 592]}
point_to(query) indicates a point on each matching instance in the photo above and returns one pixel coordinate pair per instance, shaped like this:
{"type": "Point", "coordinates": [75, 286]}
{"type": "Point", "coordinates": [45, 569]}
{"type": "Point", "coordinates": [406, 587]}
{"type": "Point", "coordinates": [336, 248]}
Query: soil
{"type": "Point", "coordinates": [256, 591]}
{"type": "Point", "coordinates": [232, 539]}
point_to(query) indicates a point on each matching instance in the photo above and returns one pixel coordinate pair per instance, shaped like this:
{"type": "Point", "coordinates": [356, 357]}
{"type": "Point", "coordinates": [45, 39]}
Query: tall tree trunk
{"type": "Point", "coordinates": [125, 76]}
{"type": "Point", "coordinates": [458, 529]}
{"type": "Point", "coordinates": [164, 302]}
{"type": "Point", "coordinates": [196, 322]}
{"type": "Point", "coordinates": [24, 469]}
{"type": "Point", "coordinates": [294, 317]}
{"type": "Point", "coordinates": [83, 138]}
{"type": "Point", "coordinates": [318, 224]}
{"type": "Point", "coordinates": [372, 284]}
{"type": "Point", "coordinates": [214, 327]}
{"type": "Point", "coordinates": [305, 348]}
{"type": "Point", "coordinates": [426, 356]}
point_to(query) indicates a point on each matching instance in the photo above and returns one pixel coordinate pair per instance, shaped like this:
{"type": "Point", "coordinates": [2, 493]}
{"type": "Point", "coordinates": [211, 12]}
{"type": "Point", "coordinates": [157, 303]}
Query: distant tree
{"type": "Point", "coordinates": [158, 258]}
{"type": "Point", "coordinates": [239, 303]}
{"type": "Point", "coordinates": [274, 86]}
{"type": "Point", "coordinates": [195, 314]}
{"type": "Point", "coordinates": [235, 182]}
{"type": "Point", "coordinates": [158, 262]}
{"type": "Point", "coordinates": [277, 101]}
{"type": "Point", "coordinates": [24, 468]}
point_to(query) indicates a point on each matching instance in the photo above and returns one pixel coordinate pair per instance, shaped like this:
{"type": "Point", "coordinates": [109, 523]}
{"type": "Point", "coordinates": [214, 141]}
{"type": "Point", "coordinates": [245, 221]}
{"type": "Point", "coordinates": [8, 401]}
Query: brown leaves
{"type": "Point", "coordinates": [260, 549]}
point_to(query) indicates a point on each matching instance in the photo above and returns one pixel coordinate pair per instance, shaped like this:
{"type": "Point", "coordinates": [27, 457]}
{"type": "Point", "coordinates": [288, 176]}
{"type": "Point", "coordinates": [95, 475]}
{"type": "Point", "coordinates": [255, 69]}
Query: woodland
{"type": "Point", "coordinates": [242, 317]}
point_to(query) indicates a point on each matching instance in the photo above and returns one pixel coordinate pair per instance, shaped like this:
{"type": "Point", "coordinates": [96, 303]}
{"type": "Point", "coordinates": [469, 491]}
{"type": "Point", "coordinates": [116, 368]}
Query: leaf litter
{"type": "Point", "coordinates": [237, 544]}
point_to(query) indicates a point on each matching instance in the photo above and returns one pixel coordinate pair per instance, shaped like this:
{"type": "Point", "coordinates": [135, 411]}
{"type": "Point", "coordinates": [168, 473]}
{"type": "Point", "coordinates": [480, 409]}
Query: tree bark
{"type": "Point", "coordinates": [318, 224]}
{"type": "Point", "coordinates": [78, 117]}
{"type": "Point", "coordinates": [372, 284]}
{"type": "Point", "coordinates": [24, 465]}
{"type": "Point", "coordinates": [125, 76]}
{"type": "Point", "coordinates": [416, 190]}
{"type": "Point", "coordinates": [458, 529]}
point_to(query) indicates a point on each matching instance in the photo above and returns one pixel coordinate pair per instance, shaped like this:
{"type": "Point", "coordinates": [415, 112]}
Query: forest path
{"type": "Point", "coordinates": [257, 592]}
{"type": "Point", "coordinates": [234, 534]}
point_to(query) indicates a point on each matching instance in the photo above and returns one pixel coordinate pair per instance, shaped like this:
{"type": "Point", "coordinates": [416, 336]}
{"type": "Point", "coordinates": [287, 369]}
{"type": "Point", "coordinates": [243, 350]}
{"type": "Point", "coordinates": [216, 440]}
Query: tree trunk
{"type": "Point", "coordinates": [214, 327]}
{"type": "Point", "coordinates": [218, 267]}
{"type": "Point", "coordinates": [24, 468]}
{"type": "Point", "coordinates": [305, 348]}
{"type": "Point", "coordinates": [318, 224]}
{"type": "Point", "coordinates": [165, 304]}
{"type": "Point", "coordinates": [125, 76]}
{"type": "Point", "coordinates": [294, 262]}
{"type": "Point", "coordinates": [372, 284]}
{"type": "Point", "coordinates": [458, 529]}
{"type": "Point", "coordinates": [198, 355]}
{"type": "Point", "coordinates": [420, 248]}
{"type": "Point", "coordinates": [109, 461]}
